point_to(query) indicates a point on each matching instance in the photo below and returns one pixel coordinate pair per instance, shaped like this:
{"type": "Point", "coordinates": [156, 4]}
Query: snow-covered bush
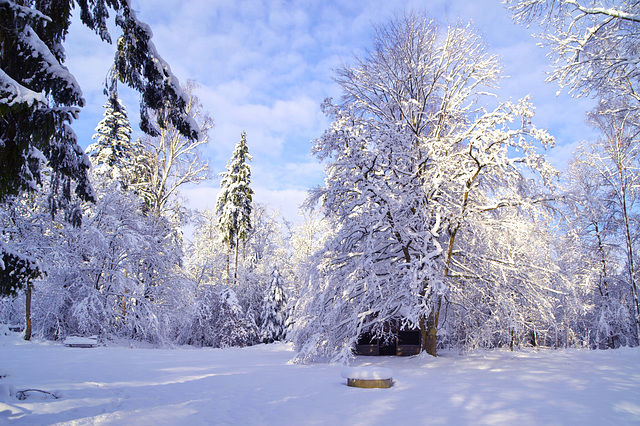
{"type": "Point", "coordinates": [111, 276]}
{"type": "Point", "coordinates": [218, 321]}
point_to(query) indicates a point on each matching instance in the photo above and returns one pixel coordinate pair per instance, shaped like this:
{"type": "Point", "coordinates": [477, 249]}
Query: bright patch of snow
{"type": "Point", "coordinates": [258, 385]}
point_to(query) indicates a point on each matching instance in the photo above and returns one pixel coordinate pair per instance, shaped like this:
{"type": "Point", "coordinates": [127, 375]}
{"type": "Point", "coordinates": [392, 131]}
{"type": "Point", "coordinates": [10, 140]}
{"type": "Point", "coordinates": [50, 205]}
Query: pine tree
{"type": "Point", "coordinates": [234, 328]}
{"type": "Point", "coordinates": [274, 315]}
{"type": "Point", "coordinates": [113, 153]}
{"type": "Point", "coordinates": [233, 205]}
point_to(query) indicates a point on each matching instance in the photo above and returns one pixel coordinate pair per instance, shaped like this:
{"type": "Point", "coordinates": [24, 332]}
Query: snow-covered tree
{"type": "Point", "coordinates": [218, 321]}
{"type": "Point", "coordinates": [504, 286]}
{"type": "Point", "coordinates": [113, 154]}
{"type": "Point", "coordinates": [171, 160]}
{"type": "Point", "coordinates": [606, 178]}
{"type": "Point", "coordinates": [39, 97]}
{"type": "Point", "coordinates": [25, 223]}
{"type": "Point", "coordinates": [589, 237]}
{"type": "Point", "coordinates": [206, 256]}
{"type": "Point", "coordinates": [617, 159]}
{"type": "Point", "coordinates": [233, 205]}
{"type": "Point", "coordinates": [274, 314]}
{"type": "Point", "coordinates": [307, 238]}
{"type": "Point", "coordinates": [116, 276]}
{"type": "Point", "coordinates": [594, 43]}
{"type": "Point", "coordinates": [234, 328]}
{"type": "Point", "coordinates": [594, 46]}
{"type": "Point", "coordinates": [264, 249]}
{"type": "Point", "coordinates": [416, 163]}
{"type": "Point", "coordinates": [202, 329]}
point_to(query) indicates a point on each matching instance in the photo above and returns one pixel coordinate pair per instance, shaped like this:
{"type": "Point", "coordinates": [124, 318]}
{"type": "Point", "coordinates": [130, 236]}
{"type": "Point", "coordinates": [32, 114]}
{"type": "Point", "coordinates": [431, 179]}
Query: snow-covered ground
{"type": "Point", "coordinates": [258, 385]}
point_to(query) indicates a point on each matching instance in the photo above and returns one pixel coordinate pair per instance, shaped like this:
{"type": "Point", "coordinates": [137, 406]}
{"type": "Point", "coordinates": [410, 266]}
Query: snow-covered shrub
{"type": "Point", "coordinates": [234, 328]}
{"type": "Point", "coordinates": [218, 321]}
{"type": "Point", "coordinates": [110, 277]}
{"type": "Point", "coordinates": [12, 310]}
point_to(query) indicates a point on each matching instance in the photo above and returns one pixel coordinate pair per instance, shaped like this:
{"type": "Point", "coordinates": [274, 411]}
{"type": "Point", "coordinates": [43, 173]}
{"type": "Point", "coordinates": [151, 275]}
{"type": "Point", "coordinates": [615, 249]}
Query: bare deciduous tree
{"type": "Point", "coordinates": [594, 43]}
{"type": "Point", "coordinates": [172, 160]}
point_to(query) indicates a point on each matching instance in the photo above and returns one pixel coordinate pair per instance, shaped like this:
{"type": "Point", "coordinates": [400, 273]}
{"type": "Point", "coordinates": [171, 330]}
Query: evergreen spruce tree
{"type": "Point", "coordinates": [234, 328]}
{"type": "Point", "coordinates": [274, 315]}
{"type": "Point", "coordinates": [112, 155]}
{"type": "Point", "coordinates": [233, 205]}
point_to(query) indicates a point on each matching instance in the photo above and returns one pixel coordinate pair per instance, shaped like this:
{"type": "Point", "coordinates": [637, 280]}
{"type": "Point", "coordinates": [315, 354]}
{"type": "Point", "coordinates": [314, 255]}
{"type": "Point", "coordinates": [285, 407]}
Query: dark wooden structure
{"type": "Point", "coordinates": [402, 341]}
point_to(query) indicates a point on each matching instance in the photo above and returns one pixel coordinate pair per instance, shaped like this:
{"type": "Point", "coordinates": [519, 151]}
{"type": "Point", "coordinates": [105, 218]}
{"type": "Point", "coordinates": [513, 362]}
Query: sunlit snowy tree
{"type": "Point", "coordinates": [592, 251]}
{"type": "Point", "coordinates": [594, 47]}
{"type": "Point", "coordinates": [171, 160]}
{"type": "Point", "coordinates": [114, 154]}
{"type": "Point", "coordinates": [274, 314]}
{"type": "Point", "coordinates": [233, 205]}
{"type": "Point", "coordinates": [115, 276]}
{"type": "Point", "coordinates": [416, 163]}
{"type": "Point", "coordinates": [612, 166]}
{"type": "Point", "coordinates": [217, 320]}
{"type": "Point", "coordinates": [206, 256]}
{"type": "Point", "coordinates": [594, 44]}
{"type": "Point", "coordinates": [264, 249]}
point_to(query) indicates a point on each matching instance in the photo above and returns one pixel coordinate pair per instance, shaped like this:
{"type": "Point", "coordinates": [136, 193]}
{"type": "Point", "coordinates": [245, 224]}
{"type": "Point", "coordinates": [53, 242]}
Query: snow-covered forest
{"type": "Point", "coordinates": [439, 212]}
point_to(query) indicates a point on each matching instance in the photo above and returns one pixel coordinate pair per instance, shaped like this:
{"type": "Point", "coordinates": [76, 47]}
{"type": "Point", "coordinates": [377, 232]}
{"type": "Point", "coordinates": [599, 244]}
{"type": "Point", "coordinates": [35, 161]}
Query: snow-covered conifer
{"type": "Point", "coordinates": [274, 314]}
{"type": "Point", "coordinates": [233, 205]}
{"type": "Point", "coordinates": [113, 153]}
{"type": "Point", "coordinates": [218, 321]}
{"type": "Point", "coordinates": [234, 328]}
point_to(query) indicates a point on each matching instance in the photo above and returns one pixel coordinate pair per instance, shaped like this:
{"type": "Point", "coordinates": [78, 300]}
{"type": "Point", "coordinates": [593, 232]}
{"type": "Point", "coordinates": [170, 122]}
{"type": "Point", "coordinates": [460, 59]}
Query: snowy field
{"type": "Point", "coordinates": [258, 385]}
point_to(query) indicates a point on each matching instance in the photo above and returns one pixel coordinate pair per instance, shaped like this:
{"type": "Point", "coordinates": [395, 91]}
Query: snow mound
{"type": "Point", "coordinates": [366, 373]}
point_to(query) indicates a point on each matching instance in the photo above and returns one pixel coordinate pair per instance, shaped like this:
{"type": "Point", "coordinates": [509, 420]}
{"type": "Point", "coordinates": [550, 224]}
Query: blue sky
{"type": "Point", "coordinates": [264, 66]}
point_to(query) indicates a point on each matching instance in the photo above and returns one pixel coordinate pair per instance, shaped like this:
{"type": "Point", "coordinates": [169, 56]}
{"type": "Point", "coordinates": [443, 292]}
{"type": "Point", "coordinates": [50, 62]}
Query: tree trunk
{"type": "Point", "coordinates": [235, 267]}
{"type": "Point", "coordinates": [27, 330]}
{"type": "Point", "coordinates": [631, 266]}
{"type": "Point", "coordinates": [124, 304]}
{"type": "Point", "coordinates": [429, 326]}
{"type": "Point", "coordinates": [228, 261]}
{"type": "Point", "coordinates": [629, 245]}
{"type": "Point", "coordinates": [429, 330]}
